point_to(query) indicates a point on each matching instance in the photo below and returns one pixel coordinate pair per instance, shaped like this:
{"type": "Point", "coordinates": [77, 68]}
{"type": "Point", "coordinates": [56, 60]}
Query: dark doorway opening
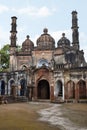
{"type": "Point", "coordinates": [2, 87]}
{"type": "Point", "coordinates": [82, 89]}
{"type": "Point", "coordinates": [43, 90]}
{"type": "Point", "coordinates": [23, 87]}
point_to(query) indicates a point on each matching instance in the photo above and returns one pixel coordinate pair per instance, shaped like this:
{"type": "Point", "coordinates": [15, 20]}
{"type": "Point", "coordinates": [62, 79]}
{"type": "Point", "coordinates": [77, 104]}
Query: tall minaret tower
{"type": "Point", "coordinates": [75, 33]}
{"type": "Point", "coordinates": [13, 32]}
{"type": "Point", "coordinates": [13, 46]}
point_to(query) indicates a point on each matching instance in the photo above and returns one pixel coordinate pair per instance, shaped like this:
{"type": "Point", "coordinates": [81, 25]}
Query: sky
{"type": "Point", "coordinates": [35, 15]}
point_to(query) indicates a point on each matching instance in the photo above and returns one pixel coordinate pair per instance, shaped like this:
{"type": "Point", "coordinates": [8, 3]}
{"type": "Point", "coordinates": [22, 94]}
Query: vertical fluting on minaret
{"type": "Point", "coordinates": [75, 33]}
{"type": "Point", "coordinates": [13, 31]}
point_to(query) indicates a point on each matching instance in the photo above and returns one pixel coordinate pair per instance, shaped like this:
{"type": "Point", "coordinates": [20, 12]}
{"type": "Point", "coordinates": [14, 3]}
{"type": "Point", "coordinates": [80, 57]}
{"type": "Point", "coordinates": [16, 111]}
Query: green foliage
{"type": "Point", "coordinates": [4, 57]}
{"type": "Point", "coordinates": [18, 48]}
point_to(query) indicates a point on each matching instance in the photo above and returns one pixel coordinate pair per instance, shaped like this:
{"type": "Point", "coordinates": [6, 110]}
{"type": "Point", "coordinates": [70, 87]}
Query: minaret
{"type": "Point", "coordinates": [75, 33]}
{"type": "Point", "coordinates": [13, 47]}
{"type": "Point", "coordinates": [13, 32]}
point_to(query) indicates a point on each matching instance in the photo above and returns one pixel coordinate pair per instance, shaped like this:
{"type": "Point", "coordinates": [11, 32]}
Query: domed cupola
{"type": "Point", "coordinates": [27, 45]}
{"type": "Point", "coordinates": [63, 41]}
{"type": "Point", "coordinates": [45, 41]}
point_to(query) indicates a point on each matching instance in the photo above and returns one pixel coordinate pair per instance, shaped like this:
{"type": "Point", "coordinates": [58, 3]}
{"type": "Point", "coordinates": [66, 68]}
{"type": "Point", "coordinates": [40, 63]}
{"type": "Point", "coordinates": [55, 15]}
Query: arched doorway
{"type": "Point", "coordinates": [82, 89]}
{"type": "Point", "coordinates": [2, 87]}
{"type": "Point", "coordinates": [58, 92]}
{"type": "Point", "coordinates": [70, 90]}
{"type": "Point", "coordinates": [12, 88]}
{"type": "Point", "coordinates": [23, 87]}
{"type": "Point", "coordinates": [43, 90]}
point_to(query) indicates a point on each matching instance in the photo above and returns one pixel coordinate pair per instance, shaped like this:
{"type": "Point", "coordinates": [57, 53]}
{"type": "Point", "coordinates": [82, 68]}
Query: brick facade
{"type": "Point", "coordinates": [45, 71]}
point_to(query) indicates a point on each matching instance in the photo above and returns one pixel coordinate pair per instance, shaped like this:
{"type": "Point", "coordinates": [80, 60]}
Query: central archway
{"type": "Point", "coordinates": [43, 90]}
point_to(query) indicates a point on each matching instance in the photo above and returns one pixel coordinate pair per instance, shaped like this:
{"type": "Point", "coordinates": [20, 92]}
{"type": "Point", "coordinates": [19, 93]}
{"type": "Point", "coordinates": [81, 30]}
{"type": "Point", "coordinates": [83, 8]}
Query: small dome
{"type": "Point", "coordinates": [45, 41]}
{"type": "Point", "coordinates": [27, 44]}
{"type": "Point", "coordinates": [63, 41]}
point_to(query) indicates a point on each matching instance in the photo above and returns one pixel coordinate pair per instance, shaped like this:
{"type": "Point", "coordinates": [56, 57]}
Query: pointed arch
{"type": "Point", "coordinates": [24, 67]}
{"type": "Point", "coordinates": [2, 87]}
{"type": "Point", "coordinates": [43, 89]}
{"type": "Point", "coordinates": [58, 91]}
{"type": "Point", "coordinates": [70, 89]}
{"type": "Point", "coordinates": [42, 62]}
{"type": "Point", "coordinates": [82, 89]}
{"type": "Point", "coordinates": [12, 86]}
{"type": "Point", "coordinates": [23, 87]}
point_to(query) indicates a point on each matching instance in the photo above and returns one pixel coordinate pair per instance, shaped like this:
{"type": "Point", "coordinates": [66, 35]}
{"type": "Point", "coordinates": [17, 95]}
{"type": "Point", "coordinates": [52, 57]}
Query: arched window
{"type": "Point", "coordinates": [24, 67]}
{"type": "Point", "coordinates": [42, 62]}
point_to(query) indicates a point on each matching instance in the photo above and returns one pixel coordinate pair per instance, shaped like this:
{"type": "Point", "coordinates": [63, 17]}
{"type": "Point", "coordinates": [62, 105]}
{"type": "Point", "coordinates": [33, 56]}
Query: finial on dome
{"type": "Point", "coordinates": [45, 30]}
{"type": "Point", "coordinates": [63, 34]}
{"type": "Point", "coordinates": [28, 36]}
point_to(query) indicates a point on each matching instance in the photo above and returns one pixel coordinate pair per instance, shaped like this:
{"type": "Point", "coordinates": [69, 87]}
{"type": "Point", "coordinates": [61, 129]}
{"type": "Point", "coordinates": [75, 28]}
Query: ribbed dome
{"type": "Point", "coordinates": [27, 45]}
{"type": "Point", "coordinates": [45, 41]}
{"type": "Point", "coordinates": [63, 41]}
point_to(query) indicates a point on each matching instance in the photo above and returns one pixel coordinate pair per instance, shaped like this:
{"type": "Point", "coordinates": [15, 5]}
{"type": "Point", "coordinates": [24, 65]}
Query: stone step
{"type": "Point", "coordinates": [11, 99]}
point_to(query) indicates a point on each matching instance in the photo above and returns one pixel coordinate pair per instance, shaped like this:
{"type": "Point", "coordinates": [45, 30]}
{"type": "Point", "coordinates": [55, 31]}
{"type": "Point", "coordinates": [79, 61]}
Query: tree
{"type": "Point", "coordinates": [4, 58]}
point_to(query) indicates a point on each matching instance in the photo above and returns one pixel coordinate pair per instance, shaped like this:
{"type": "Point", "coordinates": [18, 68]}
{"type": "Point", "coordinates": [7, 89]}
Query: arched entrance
{"type": "Point", "coordinates": [12, 87]}
{"type": "Point", "coordinates": [58, 92]}
{"type": "Point", "coordinates": [2, 87]}
{"type": "Point", "coordinates": [82, 89]}
{"type": "Point", "coordinates": [23, 87]}
{"type": "Point", "coordinates": [43, 90]}
{"type": "Point", "coordinates": [70, 90]}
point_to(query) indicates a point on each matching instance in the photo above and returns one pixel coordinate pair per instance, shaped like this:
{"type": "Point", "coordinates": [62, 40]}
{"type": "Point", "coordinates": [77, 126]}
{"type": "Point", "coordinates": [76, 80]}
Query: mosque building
{"type": "Point", "coordinates": [46, 71]}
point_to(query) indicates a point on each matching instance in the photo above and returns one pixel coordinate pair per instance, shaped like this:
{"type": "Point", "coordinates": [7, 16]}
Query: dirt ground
{"type": "Point", "coordinates": [77, 114]}
{"type": "Point", "coordinates": [43, 116]}
{"type": "Point", "coordinates": [23, 116]}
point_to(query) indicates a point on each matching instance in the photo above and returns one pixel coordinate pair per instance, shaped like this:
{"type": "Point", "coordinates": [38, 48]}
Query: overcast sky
{"type": "Point", "coordinates": [35, 15]}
